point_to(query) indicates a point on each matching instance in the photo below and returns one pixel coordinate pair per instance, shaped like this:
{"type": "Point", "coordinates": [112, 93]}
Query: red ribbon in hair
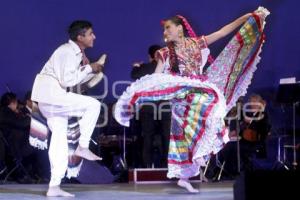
{"type": "Point", "coordinates": [190, 31]}
{"type": "Point", "coordinates": [187, 25]}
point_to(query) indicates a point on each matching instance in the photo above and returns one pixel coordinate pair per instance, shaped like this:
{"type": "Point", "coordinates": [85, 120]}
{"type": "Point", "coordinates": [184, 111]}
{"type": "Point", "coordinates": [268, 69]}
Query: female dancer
{"type": "Point", "coordinates": [199, 102]}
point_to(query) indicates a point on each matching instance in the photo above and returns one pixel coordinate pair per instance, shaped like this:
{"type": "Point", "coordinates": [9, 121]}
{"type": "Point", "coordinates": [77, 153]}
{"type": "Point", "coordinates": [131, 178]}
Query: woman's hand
{"type": "Point", "coordinates": [262, 13]}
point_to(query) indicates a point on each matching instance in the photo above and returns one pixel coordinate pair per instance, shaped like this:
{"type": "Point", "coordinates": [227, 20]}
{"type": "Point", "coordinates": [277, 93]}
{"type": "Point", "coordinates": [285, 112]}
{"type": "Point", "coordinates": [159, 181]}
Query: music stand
{"type": "Point", "coordinates": [289, 94]}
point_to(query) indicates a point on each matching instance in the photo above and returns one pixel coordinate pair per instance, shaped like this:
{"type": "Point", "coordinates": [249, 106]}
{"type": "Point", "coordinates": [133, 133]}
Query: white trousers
{"type": "Point", "coordinates": [76, 105]}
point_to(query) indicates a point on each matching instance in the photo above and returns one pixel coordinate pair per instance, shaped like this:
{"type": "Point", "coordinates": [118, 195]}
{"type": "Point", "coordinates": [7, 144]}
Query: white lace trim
{"type": "Point", "coordinates": [211, 142]}
{"type": "Point", "coordinates": [161, 81]}
{"type": "Point", "coordinates": [74, 171]}
{"type": "Point", "coordinates": [35, 142]}
{"type": "Point", "coordinates": [243, 84]}
{"type": "Point", "coordinates": [205, 53]}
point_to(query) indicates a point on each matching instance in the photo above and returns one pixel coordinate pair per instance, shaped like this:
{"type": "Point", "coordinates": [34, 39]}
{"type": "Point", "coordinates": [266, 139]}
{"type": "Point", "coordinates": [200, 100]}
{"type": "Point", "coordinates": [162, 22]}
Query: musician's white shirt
{"type": "Point", "coordinates": [62, 70]}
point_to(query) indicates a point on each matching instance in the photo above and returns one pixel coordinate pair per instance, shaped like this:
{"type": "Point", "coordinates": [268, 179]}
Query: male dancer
{"type": "Point", "coordinates": [67, 67]}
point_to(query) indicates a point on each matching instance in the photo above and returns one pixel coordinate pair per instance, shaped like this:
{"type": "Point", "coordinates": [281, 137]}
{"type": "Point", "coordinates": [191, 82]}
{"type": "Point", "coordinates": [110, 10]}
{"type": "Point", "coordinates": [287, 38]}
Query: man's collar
{"type": "Point", "coordinates": [75, 46]}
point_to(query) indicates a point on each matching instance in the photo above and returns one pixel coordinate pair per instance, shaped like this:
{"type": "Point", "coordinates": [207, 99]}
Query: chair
{"type": "Point", "coordinates": [17, 161]}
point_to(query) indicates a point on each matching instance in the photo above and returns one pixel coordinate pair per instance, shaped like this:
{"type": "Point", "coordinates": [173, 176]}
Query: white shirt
{"type": "Point", "coordinates": [62, 70]}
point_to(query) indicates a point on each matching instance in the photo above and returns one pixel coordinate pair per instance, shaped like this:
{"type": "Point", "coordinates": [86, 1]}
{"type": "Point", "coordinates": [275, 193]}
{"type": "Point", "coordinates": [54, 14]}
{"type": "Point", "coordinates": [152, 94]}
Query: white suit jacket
{"type": "Point", "coordinates": [62, 70]}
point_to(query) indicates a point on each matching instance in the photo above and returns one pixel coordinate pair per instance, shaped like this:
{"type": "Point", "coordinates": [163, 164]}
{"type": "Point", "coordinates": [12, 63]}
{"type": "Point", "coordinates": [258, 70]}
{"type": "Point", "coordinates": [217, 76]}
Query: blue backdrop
{"type": "Point", "coordinates": [32, 29]}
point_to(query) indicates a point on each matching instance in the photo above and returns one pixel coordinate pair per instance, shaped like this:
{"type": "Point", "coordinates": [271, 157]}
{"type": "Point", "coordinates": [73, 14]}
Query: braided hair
{"type": "Point", "coordinates": [171, 46]}
{"type": "Point", "coordinates": [188, 32]}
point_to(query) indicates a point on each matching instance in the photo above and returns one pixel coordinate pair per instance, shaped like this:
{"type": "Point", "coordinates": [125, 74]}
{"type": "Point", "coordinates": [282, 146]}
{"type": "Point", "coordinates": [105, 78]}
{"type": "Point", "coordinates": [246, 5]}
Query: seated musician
{"type": "Point", "coordinates": [255, 126]}
{"type": "Point", "coordinates": [251, 121]}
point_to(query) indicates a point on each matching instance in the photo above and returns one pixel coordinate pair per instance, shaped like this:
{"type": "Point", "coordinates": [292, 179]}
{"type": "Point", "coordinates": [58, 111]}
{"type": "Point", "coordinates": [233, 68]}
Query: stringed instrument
{"type": "Point", "coordinates": [258, 104]}
{"type": "Point", "coordinates": [250, 135]}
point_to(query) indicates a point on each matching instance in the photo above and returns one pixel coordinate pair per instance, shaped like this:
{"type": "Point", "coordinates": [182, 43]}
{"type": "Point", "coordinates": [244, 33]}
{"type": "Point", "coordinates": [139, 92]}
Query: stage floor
{"type": "Point", "coordinates": [124, 191]}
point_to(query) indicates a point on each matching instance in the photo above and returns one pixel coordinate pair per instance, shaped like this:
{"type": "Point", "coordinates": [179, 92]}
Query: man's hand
{"type": "Point", "coordinates": [99, 64]}
{"type": "Point", "coordinates": [96, 67]}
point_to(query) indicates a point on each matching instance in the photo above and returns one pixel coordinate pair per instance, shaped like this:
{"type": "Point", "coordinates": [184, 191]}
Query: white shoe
{"type": "Point", "coordinates": [99, 76]}
{"type": "Point", "coordinates": [102, 60]}
{"type": "Point", "coordinates": [95, 80]}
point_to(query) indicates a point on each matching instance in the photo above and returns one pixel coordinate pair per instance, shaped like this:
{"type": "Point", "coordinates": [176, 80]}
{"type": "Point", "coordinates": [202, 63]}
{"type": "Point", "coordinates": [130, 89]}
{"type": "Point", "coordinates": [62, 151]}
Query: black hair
{"type": "Point", "coordinates": [178, 21]}
{"type": "Point", "coordinates": [7, 98]}
{"type": "Point", "coordinates": [27, 96]}
{"type": "Point", "coordinates": [173, 56]}
{"type": "Point", "coordinates": [78, 27]}
{"type": "Point", "coordinates": [152, 49]}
